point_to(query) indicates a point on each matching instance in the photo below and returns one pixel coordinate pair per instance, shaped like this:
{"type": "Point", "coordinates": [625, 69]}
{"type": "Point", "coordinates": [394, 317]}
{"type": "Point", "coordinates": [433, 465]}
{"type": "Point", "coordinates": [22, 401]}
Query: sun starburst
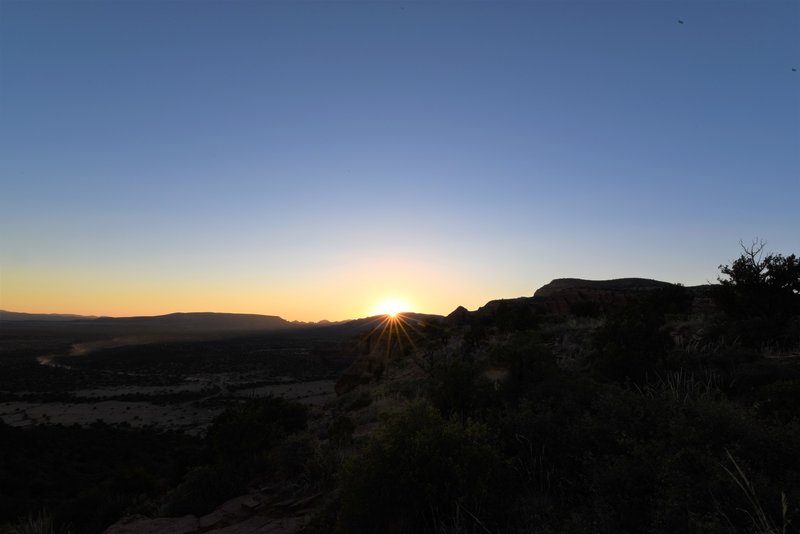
{"type": "Point", "coordinates": [395, 332]}
{"type": "Point", "coordinates": [391, 307]}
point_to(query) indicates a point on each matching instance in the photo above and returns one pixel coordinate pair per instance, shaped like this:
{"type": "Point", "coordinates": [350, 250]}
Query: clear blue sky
{"type": "Point", "coordinates": [307, 159]}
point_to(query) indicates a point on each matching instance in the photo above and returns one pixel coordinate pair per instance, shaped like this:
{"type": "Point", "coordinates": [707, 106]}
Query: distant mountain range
{"type": "Point", "coordinates": [174, 322]}
{"type": "Point", "coordinates": [558, 296]}
{"type": "Point", "coordinates": [6, 315]}
{"type": "Point", "coordinates": [200, 321]}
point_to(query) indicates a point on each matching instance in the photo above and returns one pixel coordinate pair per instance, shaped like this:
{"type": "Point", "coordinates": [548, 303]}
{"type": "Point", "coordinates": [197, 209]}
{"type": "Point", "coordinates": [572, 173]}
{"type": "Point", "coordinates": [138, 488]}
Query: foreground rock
{"type": "Point", "coordinates": [261, 513]}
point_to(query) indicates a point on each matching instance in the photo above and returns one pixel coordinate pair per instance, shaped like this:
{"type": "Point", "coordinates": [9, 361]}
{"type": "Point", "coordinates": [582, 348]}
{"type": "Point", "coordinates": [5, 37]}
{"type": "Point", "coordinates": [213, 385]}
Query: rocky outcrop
{"type": "Point", "coordinates": [560, 285]}
{"type": "Point", "coordinates": [458, 316]}
{"type": "Point", "coordinates": [571, 295]}
{"type": "Point", "coordinates": [561, 296]}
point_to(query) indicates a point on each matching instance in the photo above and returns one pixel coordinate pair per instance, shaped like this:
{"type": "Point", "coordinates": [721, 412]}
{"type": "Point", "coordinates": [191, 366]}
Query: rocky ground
{"type": "Point", "coordinates": [92, 406]}
{"type": "Point", "coordinates": [265, 511]}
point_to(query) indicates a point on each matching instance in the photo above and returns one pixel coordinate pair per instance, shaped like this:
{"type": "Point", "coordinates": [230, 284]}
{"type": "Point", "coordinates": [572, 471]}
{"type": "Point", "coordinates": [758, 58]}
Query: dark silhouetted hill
{"type": "Point", "coordinates": [561, 296]}
{"type": "Point", "coordinates": [196, 323]}
{"type": "Point", "coordinates": [199, 322]}
{"type": "Point", "coordinates": [565, 295]}
{"type": "Point", "coordinates": [19, 316]}
{"type": "Point", "coordinates": [561, 285]}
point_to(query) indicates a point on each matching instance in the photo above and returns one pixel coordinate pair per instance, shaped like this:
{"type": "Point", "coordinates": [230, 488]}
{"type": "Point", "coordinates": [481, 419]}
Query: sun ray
{"type": "Point", "coordinates": [402, 321]}
{"type": "Point", "coordinates": [394, 328]}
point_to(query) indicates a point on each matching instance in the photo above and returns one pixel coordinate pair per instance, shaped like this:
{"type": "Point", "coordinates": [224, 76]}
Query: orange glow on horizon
{"type": "Point", "coordinates": [391, 307]}
{"type": "Point", "coordinates": [350, 290]}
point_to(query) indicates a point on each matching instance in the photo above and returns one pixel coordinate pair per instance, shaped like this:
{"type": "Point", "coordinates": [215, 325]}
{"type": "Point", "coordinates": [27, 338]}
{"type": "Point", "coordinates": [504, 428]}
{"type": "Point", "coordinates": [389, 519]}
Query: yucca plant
{"type": "Point", "coordinates": [39, 523]}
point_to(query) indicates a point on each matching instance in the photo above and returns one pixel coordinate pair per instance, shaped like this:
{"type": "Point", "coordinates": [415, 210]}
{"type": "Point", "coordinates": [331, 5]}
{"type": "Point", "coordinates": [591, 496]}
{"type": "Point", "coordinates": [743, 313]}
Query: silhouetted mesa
{"type": "Point", "coordinates": [563, 294]}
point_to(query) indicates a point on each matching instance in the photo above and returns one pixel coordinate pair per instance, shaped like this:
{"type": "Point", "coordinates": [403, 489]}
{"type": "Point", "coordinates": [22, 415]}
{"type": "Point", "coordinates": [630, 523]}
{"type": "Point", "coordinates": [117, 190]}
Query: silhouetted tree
{"type": "Point", "coordinates": [759, 284]}
{"type": "Point", "coordinates": [760, 295]}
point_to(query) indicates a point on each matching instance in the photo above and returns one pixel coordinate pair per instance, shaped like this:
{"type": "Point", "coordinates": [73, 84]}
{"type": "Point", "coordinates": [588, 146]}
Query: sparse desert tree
{"type": "Point", "coordinates": [760, 294]}
{"type": "Point", "coordinates": [759, 283]}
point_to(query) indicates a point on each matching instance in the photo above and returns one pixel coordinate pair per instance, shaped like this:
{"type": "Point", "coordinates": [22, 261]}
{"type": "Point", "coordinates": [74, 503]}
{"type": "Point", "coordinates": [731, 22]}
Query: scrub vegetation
{"type": "Point", "coordinates": [673, 419]}
{"type": "Point", "coordinates": [674, 410]}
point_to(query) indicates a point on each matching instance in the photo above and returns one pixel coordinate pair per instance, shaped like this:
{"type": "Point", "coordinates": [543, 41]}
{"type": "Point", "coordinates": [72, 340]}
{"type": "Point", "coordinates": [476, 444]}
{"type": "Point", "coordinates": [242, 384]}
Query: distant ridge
{"type": "Point", "coordinates": [559, 296]}
{"type": "Point", "coordinates": [193, 322]}
{"type": "Point", "coordinates": [200, 321]}
{"type": "Point", "coordinates": [6, 315]}
{"type": "Point", "coordinates": [206, 322]}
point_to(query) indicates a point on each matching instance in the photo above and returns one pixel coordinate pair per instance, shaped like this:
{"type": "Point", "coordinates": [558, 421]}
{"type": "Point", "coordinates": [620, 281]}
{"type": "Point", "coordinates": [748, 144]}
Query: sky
{"type": "Point", "coordinates": [312, 159]}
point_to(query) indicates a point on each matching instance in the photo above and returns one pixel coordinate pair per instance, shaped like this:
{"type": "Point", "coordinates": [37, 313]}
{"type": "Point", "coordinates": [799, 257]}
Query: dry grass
{"type": "Point", "coordinates": [760, 521]}
{"type": "Point", "coordinates": [683, 387]}
{"type": "Point", "coordinates": [40, 523]}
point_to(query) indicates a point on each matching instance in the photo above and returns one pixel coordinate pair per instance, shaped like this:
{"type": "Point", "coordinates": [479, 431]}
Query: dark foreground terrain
{"type": "Point", "coordinates": [619, 406]}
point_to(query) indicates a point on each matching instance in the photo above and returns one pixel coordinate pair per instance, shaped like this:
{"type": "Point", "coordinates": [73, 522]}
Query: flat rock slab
{"type": "Point", "coordinates": [137, 524]}
{"type": "Point", "coordinates": [246, 514]}
{"type": "Point", "coordinates": [264, 525]}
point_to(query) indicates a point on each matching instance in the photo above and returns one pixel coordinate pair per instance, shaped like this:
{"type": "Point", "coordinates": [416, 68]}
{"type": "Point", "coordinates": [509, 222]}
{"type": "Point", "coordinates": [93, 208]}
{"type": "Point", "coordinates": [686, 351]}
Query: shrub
{"type": "Point", "coordinates": [418, 469]}
{"type": "Point", "coordinates": [528, 362]}
{"type": "Point", "coordinates": [254, 427]}
{"type": "Point", "coordinates": [629, 345]}
{"type": "Point", "coordinates": [759, 285]}
{"type": "Point", "coordinates": [290, 458]}
{"type": "Point", "coordinates": [247, 440]}
{"type": "Point", "coordinates": [340, 431]}
{"type": "Point", "coordinates": [202, 489]}
{"type": "Point", "coordinates": [457, 388]}
{"type": "Point", "coordinates": [762, 294]}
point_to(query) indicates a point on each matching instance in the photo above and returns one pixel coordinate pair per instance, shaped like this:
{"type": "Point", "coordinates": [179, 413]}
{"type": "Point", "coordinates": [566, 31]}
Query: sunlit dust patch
{"type": "Point", "coordinates": [81, 349]}
{"type": "Point", "coordinates": [49, 361]}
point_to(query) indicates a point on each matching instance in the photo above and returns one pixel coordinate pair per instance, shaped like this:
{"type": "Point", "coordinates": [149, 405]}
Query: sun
{"type": "Point", "coordinates": [391, 307]}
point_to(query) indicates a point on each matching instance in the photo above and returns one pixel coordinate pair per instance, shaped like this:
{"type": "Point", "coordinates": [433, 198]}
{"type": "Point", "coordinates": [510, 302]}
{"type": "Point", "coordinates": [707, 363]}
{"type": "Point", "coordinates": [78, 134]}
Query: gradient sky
{"type": "Point", "coordinates": [311, 159]}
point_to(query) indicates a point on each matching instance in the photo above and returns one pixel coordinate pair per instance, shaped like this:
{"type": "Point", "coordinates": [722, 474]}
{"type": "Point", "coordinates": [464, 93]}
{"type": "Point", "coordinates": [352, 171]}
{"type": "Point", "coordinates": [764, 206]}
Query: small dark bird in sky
{"type": "Point", "coordinates": [680, 21]}
{"type": "Point", "coordinates": [794, 69]}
